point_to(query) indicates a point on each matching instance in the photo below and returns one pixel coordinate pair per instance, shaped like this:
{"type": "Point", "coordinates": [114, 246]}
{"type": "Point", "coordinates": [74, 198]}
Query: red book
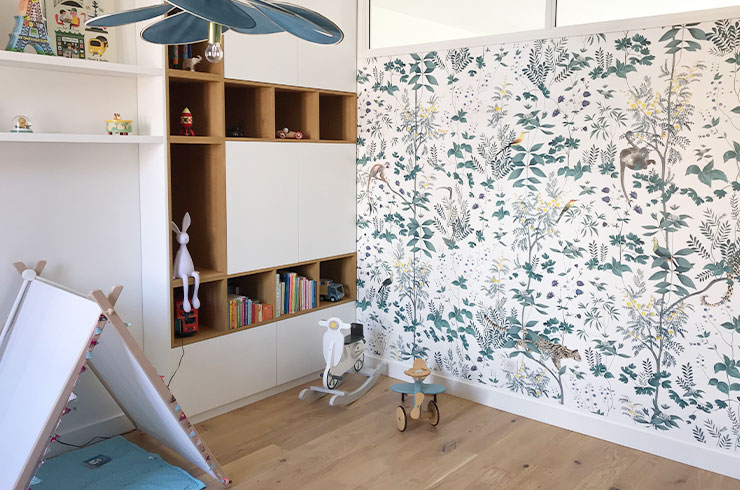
{"type": "Point", "coordinates": [267, 313]}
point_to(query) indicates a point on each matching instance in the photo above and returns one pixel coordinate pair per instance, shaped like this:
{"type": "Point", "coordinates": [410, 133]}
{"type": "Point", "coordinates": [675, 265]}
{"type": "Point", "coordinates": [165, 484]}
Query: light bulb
{"type": "Point", "coordinates": [214, 53]}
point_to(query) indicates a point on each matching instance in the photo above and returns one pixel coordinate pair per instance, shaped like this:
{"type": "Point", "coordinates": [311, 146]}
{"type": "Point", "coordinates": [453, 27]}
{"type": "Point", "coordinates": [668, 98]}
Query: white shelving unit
{"type": "Point", "coordinates": [80, 138]}
{"type": "Point", "coordinates": [30, 61]}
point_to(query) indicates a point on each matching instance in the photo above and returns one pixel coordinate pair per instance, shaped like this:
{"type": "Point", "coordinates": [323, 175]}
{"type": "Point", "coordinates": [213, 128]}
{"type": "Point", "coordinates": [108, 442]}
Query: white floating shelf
{"type": "Point", "coordinates": [79, 138]}
{"type": "Point", "coordinates": [88, 67]}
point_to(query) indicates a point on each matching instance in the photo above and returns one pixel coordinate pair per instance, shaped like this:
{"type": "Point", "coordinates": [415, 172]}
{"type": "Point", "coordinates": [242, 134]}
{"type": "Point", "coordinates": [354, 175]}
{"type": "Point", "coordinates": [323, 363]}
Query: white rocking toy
{"type": "Point", "coordinates": [342, 353]}
{"type": "Point", "coordinates": [184, 267]}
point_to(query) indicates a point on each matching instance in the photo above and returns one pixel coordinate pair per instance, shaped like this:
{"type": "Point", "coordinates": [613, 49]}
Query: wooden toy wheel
{"type": "Point", "coordinates": [433, 413]}
{"type": "Point", "coordinates": [401, 418]}
{"type": "Point", "coordinates": [359, 363]}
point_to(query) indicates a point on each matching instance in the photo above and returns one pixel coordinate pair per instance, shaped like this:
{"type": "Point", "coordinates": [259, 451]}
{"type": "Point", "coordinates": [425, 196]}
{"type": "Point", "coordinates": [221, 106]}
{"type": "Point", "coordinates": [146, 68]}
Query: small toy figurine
{"type": "Point", "coordinates": [235, 132]}
{"type": "Point", "coordinates": [186, 323]}
{"type": "Point", "coordinates": [21, 124]}
{"type": "Point", "coordinates": [286, 133]}
{"type": "Point", "coordinates": [118, 125]}
{"type": "Point", "coordinates": [186, 123]}
{"type": "Point", "coordinates": [190, 63]}
{"type": "Point", "coordinates": [418, 390]}
{"type": "Point", "coordinates": [184, 267]}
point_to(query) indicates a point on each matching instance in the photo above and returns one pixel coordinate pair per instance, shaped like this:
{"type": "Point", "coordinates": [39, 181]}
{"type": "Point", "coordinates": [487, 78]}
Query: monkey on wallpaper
{"type": "Point", "coordinates": [634, 158]}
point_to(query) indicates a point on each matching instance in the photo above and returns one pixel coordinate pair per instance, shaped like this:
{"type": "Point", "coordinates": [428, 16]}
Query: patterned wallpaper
{"type": "Point", "coordinates": [560, 219]}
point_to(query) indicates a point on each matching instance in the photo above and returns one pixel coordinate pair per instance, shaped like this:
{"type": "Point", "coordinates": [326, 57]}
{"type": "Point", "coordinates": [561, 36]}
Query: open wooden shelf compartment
{"type": "Point", "coordinates": [198, 180]}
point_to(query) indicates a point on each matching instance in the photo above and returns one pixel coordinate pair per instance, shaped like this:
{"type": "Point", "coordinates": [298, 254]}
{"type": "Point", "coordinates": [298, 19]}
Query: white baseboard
{"type": "Point", "coordinates": [647, 440]}
{"type": "Point", "coordinates": [118, 424]}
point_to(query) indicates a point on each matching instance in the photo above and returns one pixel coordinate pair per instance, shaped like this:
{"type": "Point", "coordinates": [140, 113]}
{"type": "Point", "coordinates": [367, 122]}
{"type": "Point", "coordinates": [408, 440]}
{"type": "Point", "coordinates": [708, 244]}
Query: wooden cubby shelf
{"type": "Point", "coordinates": [212, 316]}
{"type": "Point", "coordinates": [261, 285]}
{"type": "Point", "coordinates": [203, 98]}
{"type": "Point", "coordinates": [197, 179]}
{"type": "Point", "coordinates": [250, 108]}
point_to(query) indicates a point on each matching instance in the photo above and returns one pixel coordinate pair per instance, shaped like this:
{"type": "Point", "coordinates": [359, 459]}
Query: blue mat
{"type": "Point", "coordinates": [129, 468]}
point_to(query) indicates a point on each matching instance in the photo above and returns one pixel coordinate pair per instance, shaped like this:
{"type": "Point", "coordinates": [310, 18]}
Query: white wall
{"type": "Point", "coordinates": [78, 208]}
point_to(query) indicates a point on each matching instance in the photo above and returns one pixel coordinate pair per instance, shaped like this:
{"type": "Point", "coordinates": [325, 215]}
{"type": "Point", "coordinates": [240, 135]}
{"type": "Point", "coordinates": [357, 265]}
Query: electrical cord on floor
{"type": "Point", "coordinates": [91, 441]}
{"type": "Point", "coordinates": [182, 346]}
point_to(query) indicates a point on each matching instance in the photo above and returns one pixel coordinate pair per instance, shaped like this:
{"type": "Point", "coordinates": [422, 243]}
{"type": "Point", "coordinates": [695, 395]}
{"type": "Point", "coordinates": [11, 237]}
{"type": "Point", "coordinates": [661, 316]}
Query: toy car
{"type": "Point", "coordinates": [286, 133]}
{"type": "Point", "coordinates": [330, 290]}
{"type": "Point", "coordinates": [235, 132]}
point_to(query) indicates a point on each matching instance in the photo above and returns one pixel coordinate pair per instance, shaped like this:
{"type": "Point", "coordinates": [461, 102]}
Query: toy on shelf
{"type": "Point", "coordinates": [118, 125]}
{"type": "Point", "coordinates": [21, 124]}
{"type": "Point", "coordinates": [330, 290]}
{"type": "Point", "coordinates": [235, 132]}
{"type": "Point", "coordinates": [419, 390]}
{"type": "Point", "coordinates": [186, 322]}
{"type": "Point", "coordinates": [286, 133]}
{"type": "Point", "coordinates": [186, 123]}
{"type": "Point", "coordinates": [342, 353]}
{"type": "Point", "coordinates": [30, 29]}
{"type": "Point", "coordinates": [184, 267]}
{"type": "Point", "coordinates": [97, 46]}
{"type": "Point", "coordinates": [191, 63]}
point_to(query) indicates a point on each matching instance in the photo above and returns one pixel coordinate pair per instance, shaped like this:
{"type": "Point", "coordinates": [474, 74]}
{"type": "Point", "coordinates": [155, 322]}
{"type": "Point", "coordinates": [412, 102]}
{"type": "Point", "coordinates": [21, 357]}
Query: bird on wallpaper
{"type": "Point", "coordinates": [515, 141]}
{"type": "Point", "coordinates": [663, 252]}
{"type": "Point", "coordinates": [567, 206]}
{"type": "Point", "coordinates": [448, 189]}
{"type": "Point", "coordinates": [385, 284]}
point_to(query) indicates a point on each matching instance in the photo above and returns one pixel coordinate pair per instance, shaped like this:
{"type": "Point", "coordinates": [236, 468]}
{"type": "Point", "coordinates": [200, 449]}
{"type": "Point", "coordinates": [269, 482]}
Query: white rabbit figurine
{"type": "Point", "coordinates": [184, 267]}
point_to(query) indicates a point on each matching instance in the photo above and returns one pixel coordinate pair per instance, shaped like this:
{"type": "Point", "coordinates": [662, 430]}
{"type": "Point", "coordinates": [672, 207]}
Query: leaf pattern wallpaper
{"type": "Point", "coordinates": [560, 219]}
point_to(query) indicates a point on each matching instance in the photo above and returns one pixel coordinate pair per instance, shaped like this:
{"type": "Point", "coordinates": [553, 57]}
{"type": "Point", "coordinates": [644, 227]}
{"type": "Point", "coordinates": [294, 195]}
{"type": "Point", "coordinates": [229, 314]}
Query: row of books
{"type": "Point", "coordinates": [244, 311]}
{"type": "Point", "coordinates": [294, 293]}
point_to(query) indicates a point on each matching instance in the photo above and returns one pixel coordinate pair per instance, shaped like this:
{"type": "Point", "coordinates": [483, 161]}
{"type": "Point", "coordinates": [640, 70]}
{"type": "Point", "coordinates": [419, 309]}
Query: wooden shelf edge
{"type": "Point", "coordinates": [288, 266]}
{"type": "Point", "coordinates": [195, 140]}
{"type": "Point", "coordinates": [278, 140]}
{"type": "Point", "coordinates": [193, 75]}
{"type": "Point", "coordinates": [206, 275]}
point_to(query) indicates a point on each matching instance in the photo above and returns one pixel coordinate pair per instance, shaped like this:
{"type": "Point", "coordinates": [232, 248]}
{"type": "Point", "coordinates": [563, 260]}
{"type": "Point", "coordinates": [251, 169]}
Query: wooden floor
{"type": "Point", "coordinates": [282, 442]}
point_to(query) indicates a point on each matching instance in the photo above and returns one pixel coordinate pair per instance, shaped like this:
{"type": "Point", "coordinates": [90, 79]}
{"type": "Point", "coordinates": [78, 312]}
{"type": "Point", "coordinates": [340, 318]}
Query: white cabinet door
{"type": "Point", "coordinates": [224, 369]}
{"type": "Point", "coordinates": [261, 205]}
{"type": "Point", "coordinates": [299, 342]}
{"type": "Point", "coordinates": [327, 200]}
{"type": "Point", "coordinates": [269, 58]}
{"type": "Point", "coordinates": [285, 59]}
{"type": "Point", "coordinates": [331, 67]}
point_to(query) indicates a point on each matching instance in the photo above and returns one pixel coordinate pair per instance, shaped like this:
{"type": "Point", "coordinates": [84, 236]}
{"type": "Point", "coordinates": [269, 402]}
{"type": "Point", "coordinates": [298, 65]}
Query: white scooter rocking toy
{"type": "Point", "coordinates": [342, 353]}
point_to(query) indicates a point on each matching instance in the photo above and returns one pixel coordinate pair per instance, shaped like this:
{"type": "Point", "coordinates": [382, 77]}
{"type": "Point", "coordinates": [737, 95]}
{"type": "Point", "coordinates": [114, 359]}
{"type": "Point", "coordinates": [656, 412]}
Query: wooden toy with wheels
{"type": "Point", "coordinates": [342, 353]}
{"type": "Point", "coordinates": [418, 391]}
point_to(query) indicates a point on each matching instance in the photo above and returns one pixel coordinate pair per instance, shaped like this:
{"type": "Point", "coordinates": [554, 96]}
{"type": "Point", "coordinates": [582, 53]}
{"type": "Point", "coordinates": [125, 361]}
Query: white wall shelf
{"type": "Point", "coordinates": [79, 138]}
{"type": "Point", "coordinates": [13, 59]}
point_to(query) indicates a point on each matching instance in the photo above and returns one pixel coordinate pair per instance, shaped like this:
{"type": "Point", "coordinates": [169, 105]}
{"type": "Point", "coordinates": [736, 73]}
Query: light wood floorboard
{"type": "Point", "coordinates": [281, 442]}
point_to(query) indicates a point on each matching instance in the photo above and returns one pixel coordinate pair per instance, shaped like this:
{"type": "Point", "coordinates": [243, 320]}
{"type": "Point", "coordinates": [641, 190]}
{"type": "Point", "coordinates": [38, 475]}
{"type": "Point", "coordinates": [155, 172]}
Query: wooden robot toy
{"type": "Point", "coordinates": [186, 123]}
{"type": "Point", "coordinates": [342, 353]}
{"type": "Point", "coordinates": [418, 391]}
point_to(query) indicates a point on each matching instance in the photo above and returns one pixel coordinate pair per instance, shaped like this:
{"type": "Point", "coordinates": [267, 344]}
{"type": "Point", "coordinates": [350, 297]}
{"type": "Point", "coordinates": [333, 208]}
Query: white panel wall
{"type": "Point", "coordinates": [261, 205]}
{"type": "Point", "coordinates": [299, 342]}
{"type": "Point", "coordinates": [282, 58]}
{"type": "Point", "coordinates": [224, 369]}
{"type": "Point", "coordinates": [327, 203]}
